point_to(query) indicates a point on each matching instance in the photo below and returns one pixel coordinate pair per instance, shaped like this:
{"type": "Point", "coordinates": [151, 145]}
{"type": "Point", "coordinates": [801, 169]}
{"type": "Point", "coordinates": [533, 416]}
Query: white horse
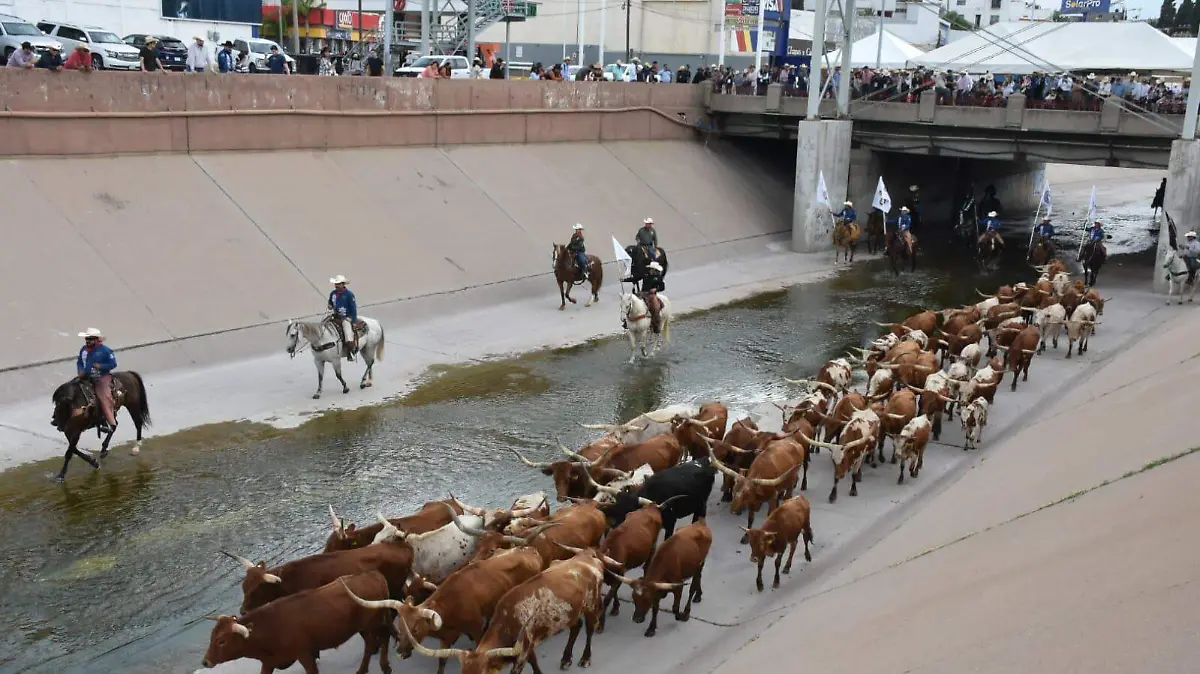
{"type": "Point", "coordinates": [1177, 273]}
{"type": "Point", "coordinates": [326, 346]}
{"type": "Point", "coordinates": [636, 318]}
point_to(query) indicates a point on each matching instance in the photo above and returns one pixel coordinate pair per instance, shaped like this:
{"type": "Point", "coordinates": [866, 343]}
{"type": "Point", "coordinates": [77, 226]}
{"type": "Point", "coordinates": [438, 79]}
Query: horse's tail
{"type": "Point", "coordinates": [143, 408]}
{"type": "Point", "coordinates": [382, 341]}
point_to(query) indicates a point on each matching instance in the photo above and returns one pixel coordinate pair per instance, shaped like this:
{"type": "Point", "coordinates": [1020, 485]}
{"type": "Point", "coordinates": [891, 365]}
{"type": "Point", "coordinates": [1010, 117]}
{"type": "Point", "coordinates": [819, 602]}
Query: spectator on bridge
{"type": "Point", "coordinates": [477, 70]}
{"type": "Point", "coordinates": [665, 75]}
{"type": "Point", "coordinates": [225, 58]}
{"type": "Point", "coordinates": [555, 74]}
{"type": "Point", "coordinates": [52, 59]}
{"type": "Point", "coordinates": [684, 75]}
{"type": "Point", "coordinates": [431, 71]}
{"type": "Point", "coordinates": [80, 59]}
{"type": "Point", "coordinates": [324, 64]}
{"type": "Point", "coordinates": [497, 70]}
{"type": "Point", "coordinates": [374, 64]}
{"type": "Point", "coordinates": [277, 63]}
{"type": "Point", "coordinates": [24, 57]}
{"type": "Point", "coordinates": [198, 60]}
{"type": "Point", "coordinates": [149, 56]}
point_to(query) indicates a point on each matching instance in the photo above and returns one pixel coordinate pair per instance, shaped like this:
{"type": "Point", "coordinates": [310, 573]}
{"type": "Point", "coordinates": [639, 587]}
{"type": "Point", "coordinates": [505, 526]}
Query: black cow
{"type": "Point", "coordinates": [692, 481]}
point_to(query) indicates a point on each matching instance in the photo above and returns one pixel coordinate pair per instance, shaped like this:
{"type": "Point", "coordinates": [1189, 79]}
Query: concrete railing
{"type": "Point", "coordinates": [1114, 118]}
{"type": "Point", "coordinates": [105, 113]}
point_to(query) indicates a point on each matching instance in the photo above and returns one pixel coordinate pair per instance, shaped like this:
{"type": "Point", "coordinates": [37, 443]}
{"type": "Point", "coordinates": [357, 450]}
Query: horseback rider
{"type": "Point", "coordinates": [1097, 233]}
{"type": "Point", "coordinates": [652, 284]}
{"type": "Point", "coordinates": [847, 214]}
{"type": "Point", "coordinates": [1190, 252]}
{"type": "Point", "coordinates": [345, 309]}
{"type": "Point", "coordinates": [647, 239]}
{"type": "Point", "coordinates": [94, 368]}
{"type": "Point", "coordinates": [1045, 234]}
{"type": "Point", "coordinates": [575, 247]}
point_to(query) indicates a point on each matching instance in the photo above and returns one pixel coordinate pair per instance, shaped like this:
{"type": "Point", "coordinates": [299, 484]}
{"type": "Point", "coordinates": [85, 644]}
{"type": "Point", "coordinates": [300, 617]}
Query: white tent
{"type": "Point", "coordinates": [895, 53]}
{"type": "Point", "coordinates": [1187, 44]}
{"type": "Point", "coordinates": [1026, 47]}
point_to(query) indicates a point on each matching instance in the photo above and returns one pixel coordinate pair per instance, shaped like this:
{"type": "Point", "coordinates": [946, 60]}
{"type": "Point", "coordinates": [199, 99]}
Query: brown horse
{"type": "Point", "coordinates": [1092, 257]}
{"type": "Point", "coordinates": [73, 415]}
{"type": "Point", "coordinates": [875, 236]}
{"type": "Point", "coordinates": [568, 275]}
{"type": "Point", "coordinates": [901, 248]}
{"type": "Point", "coordinates": [845, 238]}
{"type": "Point", "coordinates": [1041, 252]}
{"type": "Point", "coordinates": [988, 250]}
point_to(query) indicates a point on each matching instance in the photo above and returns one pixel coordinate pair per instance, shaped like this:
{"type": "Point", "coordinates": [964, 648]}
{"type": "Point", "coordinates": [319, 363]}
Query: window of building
{"type": "Point", "coordinates": [961, 3]}
{"type": "Point", "coordinates": [995, 19]}
{"type": "Point", "coordinates": [978, 18]}
{"type": "Point", "coordinates": [996, 4]}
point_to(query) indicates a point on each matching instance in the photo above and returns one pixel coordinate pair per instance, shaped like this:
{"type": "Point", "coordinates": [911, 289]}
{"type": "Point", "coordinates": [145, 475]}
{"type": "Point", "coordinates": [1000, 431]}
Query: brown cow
{"type": "Point", "coordinates": [913, 439]}
{"type": "Point", "coordinates": [660, 452]}
{"type": "Point", "coordinates": [1070, 299]}
{"type": "Point", "coordinates": [566, 596]}
{"type": "Point", "coordinates": [264, 585]}
{"type": "Point", "coordinates": [569, 478]}
{"type": "Point", "coordinates": [934, 397]}
{"type": "Point", "coordinates": [926, 322]}
{"type": "Point", "coordinates": [900, 409]}
{"type": "Point", "coordinates": [582, 526]}
{"type": "Point", "coordinates": [831, 427]}
{"type": "Point", "coordinates": [1020, 353]}
{"type": "Point", "coordinates": [347, 536]}
{"type": "Point", "coordinates": [771, 477]}
{"type": "Point", "coordinates": [784, 526]}
{"type": "Point", "coordinates": [680, 558]}
{"type": "Point", "coordinates": [463, 603]}
{"type": "Point", "coordinates": [741, 432]}
{"type": "Point", "coordinates": [858, 439]}
{"type": "Point", "coordinates": [714, 417]}
{"type": "Point", "coordinates": [690, 434]}
{"type": "Point", "coordinates": [995, 316]}
{"type": "Point", "coordinates": [300, 626]}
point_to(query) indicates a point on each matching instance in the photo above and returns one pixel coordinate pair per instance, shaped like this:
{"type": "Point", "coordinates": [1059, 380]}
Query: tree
{"type": "Point", "coordinates": [1166, 15]}
{"type": "Point", "coordinates": [957, 21]}
{"type": "Point", "coordinates": [1184, 16]}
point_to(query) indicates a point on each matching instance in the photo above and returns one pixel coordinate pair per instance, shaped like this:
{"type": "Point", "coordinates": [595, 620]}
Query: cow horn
{"type": "Point", "coordinates": [623, 579]}
{"type": "Point", "coordinates": [371, 603]}
{"type": "Point", "coordinates": [241, 629]}
{"type": "Point", "coordinates": [528, 540]}
{"type": "Point", "coordinates": [982, 295]}
{"type": "Point", "coordinates": [212, 617]}
{"type": "Point", "coordinates": [775, 482]}
{"type": "Point", "coordinates": [895, 416]}
{"type": "Point", "coordinates": [722, 467]}
{"type": "Point", "coordinates": [526, 461]}
{"type": "Point", "coordinates": [513, 652]}
{"type": "Point", "coordinates": [414, 577]}
{"type": "Point", "coordinates": [478, 512]}
{"type": "Point", "coordinates": [428, 652]}
{"type": "Point", "coordinates": [646, 502]}
{"type": "Point", "coordinates": [924, 368]}
{"type": "Point", "coordinates": [602, 427]}
{"type": "Point", "coordinates": [668, 587]}
{"type": "Point", "coordinates": [817, 443]}
{"type": "Point", "coordinates": [432, 616]}
{"type": "Point", "coordinates": [1032, 310]}
{"type": "Point", "coordinates": [463, 527]}
{"type": "Point", "coordinates": [338, 528]}
{"type": "Point", "coordinates": [614, 473]}
{"type": "Point", "coordinates": [1002, 348]}
{"type": "Point", "coordinates": [601, 487]}
{"type": "Point", "coordinates": [887, 325]}
{"type": "Point", "coordinates": [569, 548]}
{"type": "Point", "coordinates": [918, 389]}
{"type": "Point", "coordinates": [1106, 299]}
{"type": "Point", "coordinates": [810, 382]}
{"type": "Point", "coordinates": [246, 564]}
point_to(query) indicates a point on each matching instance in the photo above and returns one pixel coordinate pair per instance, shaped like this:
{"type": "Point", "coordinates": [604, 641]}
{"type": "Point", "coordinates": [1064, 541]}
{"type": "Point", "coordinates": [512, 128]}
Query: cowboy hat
{"type": "Point", "coordinates": [991, 214]}
{"type": "Point", "coordinates": [1190, 235]}
{"type": "Point", "coordinates": [850, 203]}
{"type": "Point", "coordinates": [338, 279]}
{"type": "Point", "coordinates": [904, 209]}
{"type": "Point", "coordinates": [1046, 218]}
{"type": "Point", "coordinates": [913, 188]}
{"type": "Point", "coordinates": [658, 267]}
{"type": "Point", "coordinates": [1091, 76]}
{"type": "Point", "coordinates": [577, 227]}
{"type": "Point", "coordinates": [648, 221]}
{"type": "Point", "coordinates": [92, 332]}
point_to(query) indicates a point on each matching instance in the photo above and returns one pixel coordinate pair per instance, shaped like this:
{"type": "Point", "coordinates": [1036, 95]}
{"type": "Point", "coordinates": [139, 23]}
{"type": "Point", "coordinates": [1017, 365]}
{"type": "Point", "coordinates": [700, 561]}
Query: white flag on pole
{"type": "Point", "coordinates": [1092, 207]}
{"type": "Point", "coordinates": [822, 191]}
{"type": "Point", "coordinates": [622, 258]}
{"type": "Point", "coordinates": [1046, 201]}
{"type": "Point", "coordinates": [882, 200]}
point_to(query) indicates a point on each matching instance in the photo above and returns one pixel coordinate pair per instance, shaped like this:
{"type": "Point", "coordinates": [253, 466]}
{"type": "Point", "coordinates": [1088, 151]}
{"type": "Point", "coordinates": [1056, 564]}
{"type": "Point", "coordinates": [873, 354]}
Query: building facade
{"type": "Point", "coordinates": [184, 19]}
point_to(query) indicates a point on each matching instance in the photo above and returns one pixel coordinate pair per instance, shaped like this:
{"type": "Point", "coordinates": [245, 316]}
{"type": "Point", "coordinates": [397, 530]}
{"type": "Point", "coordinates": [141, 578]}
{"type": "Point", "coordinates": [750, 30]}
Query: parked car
{"type": "Point", "coordinates": [460, 68]}
{"type": "Point", "coordinates": [259, 49]}
{"type": "Point", "coordinates": [171, 50]}
{"type": "Point", "coordinates": [15, 30]}
{"type": "Point", "coordinates": [108, 51]}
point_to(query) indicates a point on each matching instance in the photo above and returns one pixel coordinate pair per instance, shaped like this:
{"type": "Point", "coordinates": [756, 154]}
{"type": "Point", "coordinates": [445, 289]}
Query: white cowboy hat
{"type": "Point", "coordinates": [577, 227]}
{"type": "Point", "coordinates": [991, 214]}
{"type": "Point", "coordinates": [338, 279]}
{"type": "Point", "coordinates": [648, 221]}
{"type": "Point", "coordinates": [1046, 218]}
{"type": "Point", "coordinates": [904, 209]}
{"type": "Point", "coordinates": [93, 332]}
{"type": "Point", "coordinates": [657, 267]}
{"type": "Point", "coordinates": [850, 203]}
{"type": "Point", "coordinates": [1133, 74]}
{"type": "Point", "coordinates": [1190, 235]}
{"type": "Point", "coordinates": [1091, 76]}
{"type": "Point", "coordinates": [913, 188]}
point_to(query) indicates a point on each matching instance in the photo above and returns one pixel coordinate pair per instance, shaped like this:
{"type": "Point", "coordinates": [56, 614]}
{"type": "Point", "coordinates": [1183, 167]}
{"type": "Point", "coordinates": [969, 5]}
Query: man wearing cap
{"type": "Point", "coordinates": [225, 61]}
{"type": "Point", "coordinates": [198, 60]}
{"type": "Point", "coordinates": [647, 239]}
{"type": "Point", "coordinates": [344, 306]}
{"type": "Point", "coordinates": [652, 284]}
{"type": "Point", "coordinates": [94, 368]}
{"type": "Point", "coordinates": [575, 247]}
{"type": "Point", "coordinates": [1045, 234]}
{"type": "Point", "coordinates": [1190, 252]}
{"type": "Point", "coordinates": [847, 213]}
{"type": "Point", "coordinates": [24, 57]}
{"type": "Point", "coordinates": [52, 59]}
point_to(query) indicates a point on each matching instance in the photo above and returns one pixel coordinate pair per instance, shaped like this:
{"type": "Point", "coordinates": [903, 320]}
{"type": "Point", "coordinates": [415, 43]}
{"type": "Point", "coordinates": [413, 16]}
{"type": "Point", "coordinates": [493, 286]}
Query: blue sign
{"type": "Point", "coordinates": [1085, 6]}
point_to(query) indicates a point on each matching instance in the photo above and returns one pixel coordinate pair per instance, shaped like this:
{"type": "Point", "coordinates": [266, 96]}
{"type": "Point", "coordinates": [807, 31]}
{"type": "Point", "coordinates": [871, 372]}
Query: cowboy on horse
{"type": "Point", "coordinates": [847, 214]}
{"type": "Point", "coordinates": [1045, 235]}
{"type": "Point", "coordinates": [576, 247]}
{"type": "Point", "coordinates": [1190, 252]}
{"type": "Point", "coordinates": [345, 315]}
{"type": "Point", "coordinates": [991, 229]}
{"type": "Point", "coordinates": [653, 284]}
{"type": "Point", "coordinates": [94, 368]}
{"type": "Point", "coordinates": [904, 224]}
{"type": "Point", "coordinates": [647, 239]}
{"type": "Point", "coordinates": [1097, 233]}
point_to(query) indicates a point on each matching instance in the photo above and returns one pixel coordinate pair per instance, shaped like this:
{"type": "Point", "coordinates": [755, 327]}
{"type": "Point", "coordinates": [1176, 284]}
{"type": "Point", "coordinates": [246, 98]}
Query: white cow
{"type": "Point", "coordinates": [607, 493]}
{"type": "Point", "coordinates": [1061, 281]}
{"type": "Point", "coordinates": [649, 424]}
{"type": "Point", "coordinates": [973, 420]}
{"type": "Point", "coordinates": [437, 553]}
{"type": "Point", "coordinates": [1080, 326]}
{"type": "Point", "coordinates": [1050, 321]}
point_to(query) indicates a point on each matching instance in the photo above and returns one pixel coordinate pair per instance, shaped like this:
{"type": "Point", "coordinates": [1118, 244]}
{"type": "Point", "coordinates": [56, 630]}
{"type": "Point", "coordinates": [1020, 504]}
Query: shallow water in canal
{"type": "Point", "coordinates": [113, 571]}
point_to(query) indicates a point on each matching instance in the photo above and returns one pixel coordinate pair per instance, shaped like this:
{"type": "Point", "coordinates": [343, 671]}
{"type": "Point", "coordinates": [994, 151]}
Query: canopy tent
{"type": "Point", "coordinates": [1026, 47]}
{"type": "Point", "coordinates": [895, 52]}
{"type": "Point", "coordinates": [1187, 44]}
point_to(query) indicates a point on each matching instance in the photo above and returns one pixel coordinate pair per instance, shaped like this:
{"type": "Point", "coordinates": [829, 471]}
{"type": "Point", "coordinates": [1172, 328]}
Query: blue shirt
{"type": "Point", "coordinates": [225, 61]}
{"type": "Point", "coordinates": [1045, 229]}
{"type": "Point", "coordinates": [344, 304]}
{"type": "Point", "coordinates": [992, 224]}
{"type": "Point", "coordinates": [1097, 234]}
{"type": "Point", "coordinates": [99, 359]}
{"type": "Point", "coordinates": [848, 215]}
{"type": "Point", "coordinates": [277, 63]}
{"type": "Point", "coordinates": [905, 222]}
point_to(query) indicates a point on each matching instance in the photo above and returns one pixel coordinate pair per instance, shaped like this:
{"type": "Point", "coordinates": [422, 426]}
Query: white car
{"type": "Point", "coordinates": [460, 68]}
{"type": "Point", "coordinates": [620, 72]}
{"type": "Point", "coordinates": [14, 31]}
{"type": "Point", "coordinates": [109, 52]}
{"type": "Point", "coordinates": [259, 50]}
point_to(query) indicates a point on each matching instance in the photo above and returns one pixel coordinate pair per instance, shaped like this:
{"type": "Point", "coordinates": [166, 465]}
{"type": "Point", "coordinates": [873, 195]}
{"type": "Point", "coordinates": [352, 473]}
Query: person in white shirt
{"type": "Point", "coordinates": [477, 70]}
{"type": "Point", "coordinates": [198, 60]}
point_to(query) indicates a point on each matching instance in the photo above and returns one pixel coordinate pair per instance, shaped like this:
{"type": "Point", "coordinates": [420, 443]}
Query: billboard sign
{"type": "Point", "coordinates": [231, 11]}
{"type": "Point", "coordinates": [1085, 6]}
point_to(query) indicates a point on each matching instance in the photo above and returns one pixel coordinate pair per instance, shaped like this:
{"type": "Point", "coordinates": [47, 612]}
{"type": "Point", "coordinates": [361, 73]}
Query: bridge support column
{"type": "Point", "coordinates": [1183, 184]}
{"type": "Point", "coordinates": [822, 146]}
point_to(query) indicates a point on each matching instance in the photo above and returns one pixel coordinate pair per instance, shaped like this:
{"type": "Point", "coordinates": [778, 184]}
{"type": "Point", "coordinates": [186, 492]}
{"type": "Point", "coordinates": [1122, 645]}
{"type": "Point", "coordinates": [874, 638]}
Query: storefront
{"type": "Point", "coordinates": [339, 30]}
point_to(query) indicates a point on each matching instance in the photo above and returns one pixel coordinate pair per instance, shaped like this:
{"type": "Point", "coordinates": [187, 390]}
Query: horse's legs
{"type": "Point", "coordinates": [72, 441]}
{"type": "Point", "coordinates": [107, 439]}
{"type": "Point", "coordinates": [562, 295]}
{"type": "Point", "coordinates": [320, 377]}
{"type": "Point", "coordinates": [366, 378]}
{"type": "Point", "coordinates": [632, 345]}
{"type": "Point", "coordinates": [337, 371]}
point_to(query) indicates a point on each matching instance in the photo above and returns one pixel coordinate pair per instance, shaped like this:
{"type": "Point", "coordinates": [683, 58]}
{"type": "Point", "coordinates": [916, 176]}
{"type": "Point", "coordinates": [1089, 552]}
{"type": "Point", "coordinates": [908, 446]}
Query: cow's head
{"type": "Point", "coordinates": [490, 661]}
{"type": "Point", "coordinates": [258, 587]}
{"type": "Point", "coordinates": [418, 621]}
{"type": "Point", "coordinates": [228, 641]}
{"type": "Point", "coordinates": [762, 543]}
{"type": "Point", "coordinates": [748, 492]}
{"type": "Point", "coordinates": [646, 594]}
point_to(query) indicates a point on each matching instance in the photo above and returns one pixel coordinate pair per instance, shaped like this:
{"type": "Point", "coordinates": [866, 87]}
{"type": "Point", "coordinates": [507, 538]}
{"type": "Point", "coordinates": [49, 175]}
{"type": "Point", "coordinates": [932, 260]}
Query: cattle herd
{"type": "Point", "coordinates": [510, 578]}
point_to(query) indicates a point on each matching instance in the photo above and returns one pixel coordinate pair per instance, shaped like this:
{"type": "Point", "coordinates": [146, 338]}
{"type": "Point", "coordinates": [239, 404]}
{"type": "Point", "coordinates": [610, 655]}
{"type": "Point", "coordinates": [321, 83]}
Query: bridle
{"type": "Point", "coordinates": [628, 311]}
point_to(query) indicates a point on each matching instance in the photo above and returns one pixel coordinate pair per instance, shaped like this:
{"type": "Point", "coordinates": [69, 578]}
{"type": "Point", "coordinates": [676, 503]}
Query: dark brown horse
{"type": "Point", "coordinates": [845, 239]}
{"type": "Point", "coordinates": [73, 415]}
{"type": "Point", "coordinates": [1041, 252]}
{"type": "Point", "coordinates": [1092, 257]}
{"type": "Point", "coordinates": [901, 248]}
{"type": "Point", "coordinates": [568, 275]}
{"type": "Point", "coordinates": [875, 236]}
{"type": "Point", "coordinates": [988, 250]}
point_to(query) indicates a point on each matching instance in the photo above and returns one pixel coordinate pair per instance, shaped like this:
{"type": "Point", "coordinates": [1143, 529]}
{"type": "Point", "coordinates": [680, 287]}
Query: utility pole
{"type": "Point", "coordinates": [628, 49]}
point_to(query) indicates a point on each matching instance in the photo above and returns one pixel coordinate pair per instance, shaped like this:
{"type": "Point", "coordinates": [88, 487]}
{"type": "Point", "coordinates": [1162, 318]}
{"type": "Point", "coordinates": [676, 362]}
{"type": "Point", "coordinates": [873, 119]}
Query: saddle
{"type": "Point", "coordinates": [654, 307]}
{"type": "Point", "coordinates": [91, 406]}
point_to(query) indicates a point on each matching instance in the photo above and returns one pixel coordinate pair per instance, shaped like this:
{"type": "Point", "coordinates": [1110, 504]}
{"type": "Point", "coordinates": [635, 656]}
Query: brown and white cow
{"type": "Point", "coordinates": [833, 425]}
{"type": "Point", "coordinates": [346, 536]}
{"type": "Point", "coordinates": [900, 409]}
{"type": "Point", "coordinates": [913, 439]}
{"type": "Point", "coordinates": [1021, 353]}
{"type": "Point", "coordinates": [770, 477]}
{"type": "Point", "coordinates": [1051, 320]}
{"type": "Point", "coordinates": [936, 394]}
{"type": "Point", "coordinates": [858, 439]}
{"type": "Point", "coordinates": [299, 626]}
{"type": "Point", "coordinates": [566, 596]}
{"type": "Point", "coordinates": [784, 527]}
{"type": "Point", "coordinates": [974, 419]}
{"type": "Point", "coordinates": [678, 560]}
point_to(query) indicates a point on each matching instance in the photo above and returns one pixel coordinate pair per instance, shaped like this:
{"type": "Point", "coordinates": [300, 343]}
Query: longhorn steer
{"type": "Point", "coordinates": [982, 385]}
{"type": "Point", "coordinates": [934, 397]}
{"type": "Point", "coordinates": [565, 596]}
{"type": "Point", "coordinates": [784, 527]}
{"type": "Point", "coordinates": [974, 419]}
{"type": "Point", "coordinates": [1080, 327]}
{"type": "Point", "coordinates": [831, 428]}
{"type": "Point", "coordinates": [347, 536]}
{"type": "Point", "coordinates": [691, 480]}
{"type": "Point", "coordinates": [900, 409]}
{"type": "Point", "coordinates": [679, 559]}
{"type": "Point", "coordinates": [569, 476]}
{"type": "Point", "coordinates": [1051, 321]}
{"type": "Point", "coordinates": [913, 439]}
{"type": "Point", "coordinates": [629, 546]}
{"type": "Point", "coordinates": [1021, 352]}
{"type": "Point", "coordinates": [770, 479]}
{"type": "Point", "coordinates": [741, 433]}
{"type": "Point", "coordinates": [441, 552]}
{"type": "Point", "coordinates": [300, 626]}
{"type": "Point", "coordinates": [647, 425]}
{"type": "Point", "coordinates": [858, 439]}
